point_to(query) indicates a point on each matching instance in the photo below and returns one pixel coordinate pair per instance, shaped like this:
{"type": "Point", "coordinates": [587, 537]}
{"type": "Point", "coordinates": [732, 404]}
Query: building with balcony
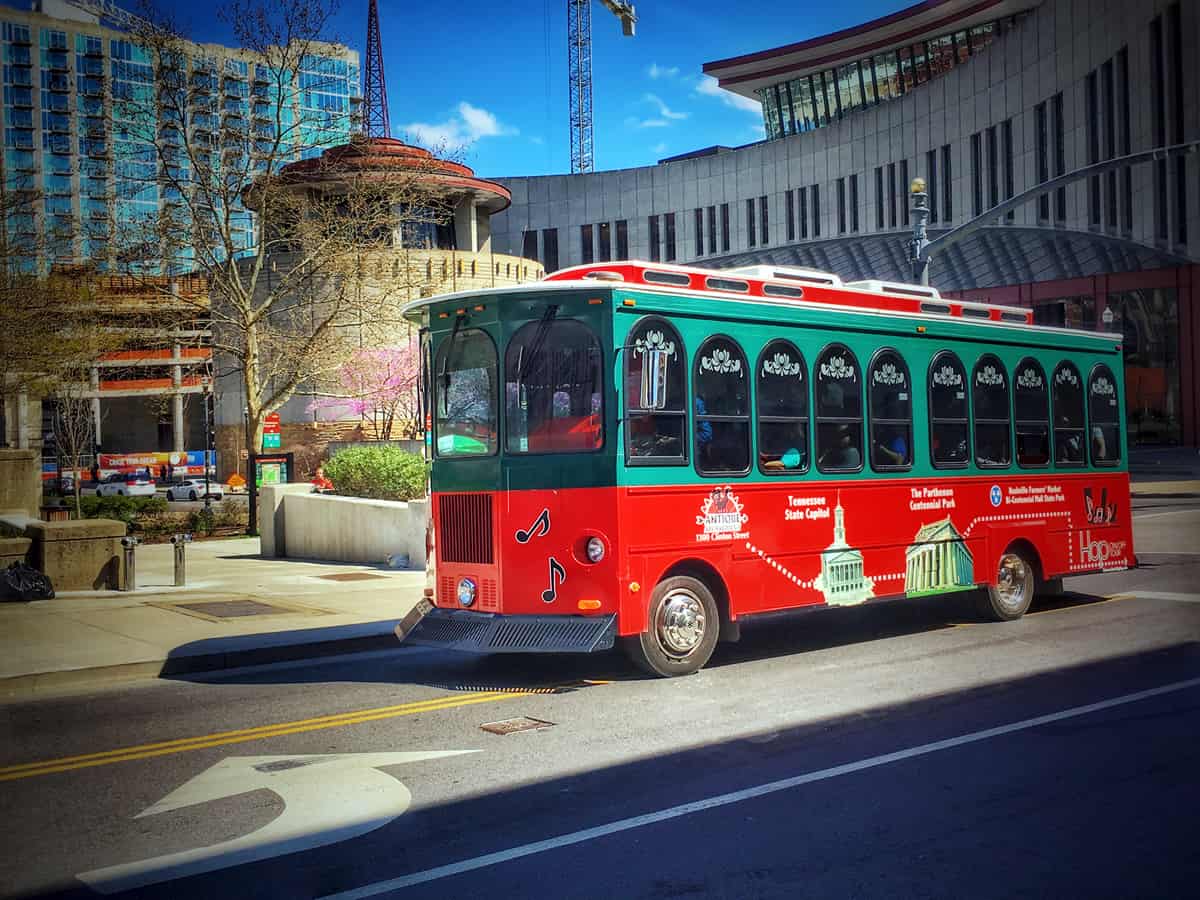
{"type": "Point", "coordinates": [984, 100]}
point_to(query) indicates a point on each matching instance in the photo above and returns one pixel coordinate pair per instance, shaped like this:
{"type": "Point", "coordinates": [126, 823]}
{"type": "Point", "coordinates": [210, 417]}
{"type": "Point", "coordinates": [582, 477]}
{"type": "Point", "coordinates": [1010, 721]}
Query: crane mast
{"type": "Point", "coordinates": [579, 63]}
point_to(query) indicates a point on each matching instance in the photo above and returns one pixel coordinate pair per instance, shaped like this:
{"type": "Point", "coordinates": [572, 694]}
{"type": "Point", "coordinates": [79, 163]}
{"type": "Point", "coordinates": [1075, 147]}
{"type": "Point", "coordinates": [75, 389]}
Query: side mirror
{"type": "Point", "coordinates": [654, 379]}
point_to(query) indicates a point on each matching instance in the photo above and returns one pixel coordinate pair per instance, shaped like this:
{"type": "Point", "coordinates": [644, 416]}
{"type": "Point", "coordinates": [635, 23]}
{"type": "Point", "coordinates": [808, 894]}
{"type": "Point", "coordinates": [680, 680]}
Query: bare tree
{"type": "Point", "coordinates": [303, 258]}
{"type": "Point", "coordinates": [74, 429]}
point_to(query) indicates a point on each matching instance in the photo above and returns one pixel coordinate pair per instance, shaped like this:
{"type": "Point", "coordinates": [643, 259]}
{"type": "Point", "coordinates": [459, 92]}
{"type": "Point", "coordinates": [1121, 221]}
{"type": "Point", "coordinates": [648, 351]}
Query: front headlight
{"type": "Point", "coordinates": [466, 592]}
{"type": "Point", "coordinates": [595, 549]}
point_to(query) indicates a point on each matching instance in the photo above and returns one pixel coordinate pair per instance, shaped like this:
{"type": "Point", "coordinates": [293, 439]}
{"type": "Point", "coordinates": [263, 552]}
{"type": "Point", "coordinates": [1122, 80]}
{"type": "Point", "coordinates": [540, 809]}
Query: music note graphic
{"type": "Point", "coordinates": [539, 528]}
{"type": "Point", "coordinates": [556, 569]}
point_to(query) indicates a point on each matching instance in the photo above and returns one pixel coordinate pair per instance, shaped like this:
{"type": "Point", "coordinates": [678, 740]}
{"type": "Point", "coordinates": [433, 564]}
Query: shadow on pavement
{"type": "Point", "coordinates": [1067, 798]}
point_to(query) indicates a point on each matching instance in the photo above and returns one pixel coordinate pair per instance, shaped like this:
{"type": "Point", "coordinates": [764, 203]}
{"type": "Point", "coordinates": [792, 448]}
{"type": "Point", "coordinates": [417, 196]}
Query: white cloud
{"type": "Point", "coordinates": [708, 87]}
{"type": "Point", "coordinates": [664, 111]}
{"type": "Point", "coordinates": [656, 71]}
{"type": "Point", "coordinates": [465, 126]}
{"type": "Point", "coordinates": [659, 149]}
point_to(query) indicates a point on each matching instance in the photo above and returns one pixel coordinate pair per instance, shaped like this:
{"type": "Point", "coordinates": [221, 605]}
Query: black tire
{"type": "Point", "coordinates": [682, 648]}
{"type": "Point", "coordinates": [192, 496]}
{"type": "Point", "coordinates": [1010, 593]}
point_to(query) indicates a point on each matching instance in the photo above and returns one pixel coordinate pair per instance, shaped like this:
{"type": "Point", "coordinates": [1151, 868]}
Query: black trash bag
{"type": "Point", "coordinates": [22, 582]}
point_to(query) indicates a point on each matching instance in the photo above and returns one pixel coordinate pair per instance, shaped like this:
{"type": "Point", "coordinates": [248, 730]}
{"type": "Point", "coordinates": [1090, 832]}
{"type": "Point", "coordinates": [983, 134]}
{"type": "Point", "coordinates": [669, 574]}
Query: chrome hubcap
{"type": "Point", "coordinates": [681, 623]}
{"type": "Point", "coordinates": [1012, 581]}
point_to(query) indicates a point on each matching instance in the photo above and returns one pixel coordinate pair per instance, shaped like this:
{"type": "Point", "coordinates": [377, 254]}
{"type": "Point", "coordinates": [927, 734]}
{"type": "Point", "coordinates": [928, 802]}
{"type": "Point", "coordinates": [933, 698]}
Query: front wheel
{"type": "Point", "coordinates": [1009, 596]}
{"type": "Point", "coordinates": [683, 625]}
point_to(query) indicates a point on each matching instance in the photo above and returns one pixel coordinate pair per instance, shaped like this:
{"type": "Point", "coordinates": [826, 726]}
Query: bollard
{"type": "Point", "coordinates": [129, 582]}
{"type": "Point", "coordinates": [180, 542]}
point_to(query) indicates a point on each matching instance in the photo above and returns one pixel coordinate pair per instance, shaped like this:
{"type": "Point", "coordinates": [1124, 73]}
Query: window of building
{"type": "Point", "coordinates": [655, 240]}
{"type": "Point", "coordinates": [1126, 145]}
{"type": "Point", "coordinates": [622, 239]}
{"type": "Point", "coordinates": [604, 242]}
{"type": "Point", "coordinates": [655, 436]}
{"type": "Point", "coordinates": [904, 55]}
{"type": "Point", "coordinates": [816, 210]}
{"type": "Point", "coordinates": [887, 76]}
{"type": "Point", "coordinates": [782, 401]}
{"type": "Point", "coordinates": [904, 205]}
{"type": "Point", "coordinates": [550, 249]}
{"type": "Point", "coordinates": [724, 227]}
{"type": "Point", "coordinates": [920, 64]}
{"type": "Point", "coordinates": [931, 183]}
{"type": "Point", "coordinates": [989, 398]}
{"type": "Point", "coordinates": [1006, 142]}
{"type": "Point", "coordinates": [698, 228]}
{"type": "Point", "coordinates": [721, 401]}
{"type": "Point", "coordinates": [841, 205]}
{"type": "Point", "coordinates": [1041, 152]}
{"type": "Point", "coordinates": [465, 420]}
{"type": "Point", "coordinates": [669, 255]}
{"type": "Point", "coordinates": [554, 389]}
{"type": "Point", "coordinates": [1092, 122]}
{"type": "Point", "coordinates": [1104, 416]}
{"type": "Point", "coordinates": [1067, 394]}
{"type": "Point", "coordinates": [993, 167]}
{"type": "Point", "coordinates": [789, 216]}
{"type": "Point", "coordinates": [587, 251]}
{"type": "Point", "coordinates": [1060, 155]}
{"type": "Point", "coordinates": [712, 230]}
{"type": "Point", "coordinates": [764, 222]}
{"type": "Point", "coordinates": [947, 193]}
{"type": "Point", "coordinates": [977, 173]}
{"type": "Point", "coordinates": [889, 393]}
{"type": "Point", "coordinates": [751, 227]}
{"type": "Point", "coordinates": [529, 245]}
{"type": "Point", "coordinates": [839, 410]}
{"type": "Point", "coordinates": [867, 76]}
{"type": "Point", "coordinates": [879, 198]}
{"type": "Point", "coordinates": [802, 208]}
{"type": "Point", "coordinates": [854, 203]}
{"type": "Point", "coordinates": [891, 188]}
{"type": "Point", "coordinates": [1108, 93]}
{"type": "Point", "coordinates": [1031, 414]}
{"type": "Point", "coordinates": [949, 422]}
{"type": "Point", "coordinates": [832, 103]}
{"type": "Point", "coordinates": [1175, 43]}
{"type": "Point", "coordinates": [1158, 123]}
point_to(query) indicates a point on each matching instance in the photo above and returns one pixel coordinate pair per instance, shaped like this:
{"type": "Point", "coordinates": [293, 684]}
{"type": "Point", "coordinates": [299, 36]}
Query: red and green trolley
{"type": "Point", "coordinates": [655, 454]}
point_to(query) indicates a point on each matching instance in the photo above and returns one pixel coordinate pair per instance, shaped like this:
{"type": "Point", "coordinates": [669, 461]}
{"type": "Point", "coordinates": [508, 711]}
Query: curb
{"type": "Point", "coordinates": [24, 687]}
{"type": "Point", "coordinates": [1174, 495]}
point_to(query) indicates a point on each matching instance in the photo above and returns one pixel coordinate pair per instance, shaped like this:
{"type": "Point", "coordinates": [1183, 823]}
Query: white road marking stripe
{"type": "Point", "coordinates": [1138, 517]}
{"type": "Point", "coordinates": [674, 812]}
{"type": "Point", "coordinates": [1167, 595]}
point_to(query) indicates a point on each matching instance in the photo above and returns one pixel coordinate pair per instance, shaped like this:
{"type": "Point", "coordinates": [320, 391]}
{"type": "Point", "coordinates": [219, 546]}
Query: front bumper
{"type": "Point", "coordinates": [473, 632]}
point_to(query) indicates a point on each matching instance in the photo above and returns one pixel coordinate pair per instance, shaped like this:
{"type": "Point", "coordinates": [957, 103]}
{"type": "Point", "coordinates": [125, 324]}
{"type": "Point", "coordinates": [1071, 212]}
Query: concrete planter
{"type": "Point", "coordinates": [299, 524]}
{"type": "Point", "coordinates": [81, 555]}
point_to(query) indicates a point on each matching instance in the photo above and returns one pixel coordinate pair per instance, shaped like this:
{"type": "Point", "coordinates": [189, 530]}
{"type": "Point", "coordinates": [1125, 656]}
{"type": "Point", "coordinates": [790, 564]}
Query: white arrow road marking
{"type": "Point", "coordinates": [327, 798]}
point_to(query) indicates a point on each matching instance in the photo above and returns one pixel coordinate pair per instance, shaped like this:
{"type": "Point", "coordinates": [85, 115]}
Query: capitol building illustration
{"type": "Point", "coordinates": [842, 580]}
{"type": "Point", "coordinates": [937, 560]}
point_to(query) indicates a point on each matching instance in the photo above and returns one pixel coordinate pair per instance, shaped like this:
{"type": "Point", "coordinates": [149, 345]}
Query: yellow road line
{"type": "Point", "coordinates": [163, 748]}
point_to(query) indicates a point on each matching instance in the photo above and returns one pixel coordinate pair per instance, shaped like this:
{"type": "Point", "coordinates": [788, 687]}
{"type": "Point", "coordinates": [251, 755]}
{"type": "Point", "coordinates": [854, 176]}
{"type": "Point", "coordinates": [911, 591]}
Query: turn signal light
{"type": "Point", "coordinates": [589, 604]}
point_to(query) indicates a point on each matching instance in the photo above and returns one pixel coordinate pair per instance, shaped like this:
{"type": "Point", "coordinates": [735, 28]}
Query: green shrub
{"type": "Point", "coordinates": [230, 512]}
{"type": "Point", "coordinates": [158, 524]}
{"type": "Point", "coordinates": [202, 521]}
{"type": "Point", "coordinates": [126, 509]}
{"type": "Point", "coordinates": [378, 473]}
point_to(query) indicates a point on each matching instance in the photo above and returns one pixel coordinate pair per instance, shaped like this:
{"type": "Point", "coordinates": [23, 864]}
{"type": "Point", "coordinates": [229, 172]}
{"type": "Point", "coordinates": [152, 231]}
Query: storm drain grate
{"type": "Point", "coordinates": [512, 726]}
{"type": "Point", "coordinates": [351, 576]}
{"type": "Point", "coordinates": [232, 609]}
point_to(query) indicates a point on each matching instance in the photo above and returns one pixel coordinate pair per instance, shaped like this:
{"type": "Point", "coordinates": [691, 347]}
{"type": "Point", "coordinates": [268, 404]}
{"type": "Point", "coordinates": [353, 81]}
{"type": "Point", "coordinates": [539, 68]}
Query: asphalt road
{"type": "Point", "coordinates": [896, 750]}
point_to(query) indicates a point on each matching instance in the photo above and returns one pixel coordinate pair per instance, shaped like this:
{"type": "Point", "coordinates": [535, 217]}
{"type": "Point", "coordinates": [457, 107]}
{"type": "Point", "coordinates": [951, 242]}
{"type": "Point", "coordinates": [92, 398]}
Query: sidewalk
{"type": "Point", "coordinates": [1164, 472]}
{"type": "Point", "coordinates": [237, 609]}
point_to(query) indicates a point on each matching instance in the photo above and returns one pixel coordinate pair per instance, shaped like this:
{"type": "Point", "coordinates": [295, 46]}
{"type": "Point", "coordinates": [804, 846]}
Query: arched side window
{"type": "Point", "coordinates": [554, 389]}
{"type": "Point", "coordinates": [989, 398]}
{"type": "Point", "coordinates": [1031, 414]}
{"type": "Point", "coordinates": [1066, 391]}
{"type": "Point", "coordinates": [655, 436]}
{"type": "Point", "coordinates": [465, 388]}
{"type": "Point", "coordinates": [1104, 417]}
{"type": "Point", "coordinates": [782, 402]}
{"type": "Point", "coordinates": [839, 410]}
{"type": "Point", "coordinates": [949, 414]}
{"type": "Point", "coordinates": [721, 399]}
{"type": "Point", "coordinates": [889, 392]}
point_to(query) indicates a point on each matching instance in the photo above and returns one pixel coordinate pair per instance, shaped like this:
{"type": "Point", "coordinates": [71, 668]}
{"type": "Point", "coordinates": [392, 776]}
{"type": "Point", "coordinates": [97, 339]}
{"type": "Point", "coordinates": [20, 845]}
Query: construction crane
{"type": "Point", "coordinates": [107, 10]}
{"type": "Point", "coordinates": [579, 61]}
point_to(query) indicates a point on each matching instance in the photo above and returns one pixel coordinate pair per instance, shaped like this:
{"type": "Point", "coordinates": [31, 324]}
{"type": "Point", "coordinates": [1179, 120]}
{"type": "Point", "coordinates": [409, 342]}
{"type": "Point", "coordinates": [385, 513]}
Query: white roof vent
{"type": "Point", "coordinates": [787, 273]}
{"type": "Point", "coordinates": [876, 286]}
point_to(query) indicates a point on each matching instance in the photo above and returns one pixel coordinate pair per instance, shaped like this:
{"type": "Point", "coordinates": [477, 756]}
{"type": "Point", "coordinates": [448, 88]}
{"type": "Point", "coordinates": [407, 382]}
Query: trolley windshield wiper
{"type": "Point", "coordinates": [535, 346]}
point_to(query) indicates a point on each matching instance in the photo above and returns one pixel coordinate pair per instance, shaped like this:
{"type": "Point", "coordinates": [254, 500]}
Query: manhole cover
{"type": "Point", "coordinates": [512, 726]}
{"type": "Point", "coordinates": [351, 576]}
{"type": "Point", "coordinates": [232, 609]}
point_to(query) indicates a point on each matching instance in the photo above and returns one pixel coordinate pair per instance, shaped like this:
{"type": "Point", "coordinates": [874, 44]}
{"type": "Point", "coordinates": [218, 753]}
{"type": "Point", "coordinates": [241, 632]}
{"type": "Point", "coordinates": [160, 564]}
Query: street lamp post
{"type": "Point", "coordinates": [917, 255]}
{"type": "Point", "coordinates": [206, 388]}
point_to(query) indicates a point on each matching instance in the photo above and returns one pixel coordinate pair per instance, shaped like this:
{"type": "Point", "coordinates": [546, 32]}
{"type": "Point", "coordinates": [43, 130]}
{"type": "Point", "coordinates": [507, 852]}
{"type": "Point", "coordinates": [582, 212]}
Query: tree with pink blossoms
{"type": "Point", "coordinates": [380, 387]}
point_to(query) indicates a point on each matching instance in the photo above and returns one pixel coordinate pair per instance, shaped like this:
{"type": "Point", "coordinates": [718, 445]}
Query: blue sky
{"type": "Point", "coordinates": [491, 76]}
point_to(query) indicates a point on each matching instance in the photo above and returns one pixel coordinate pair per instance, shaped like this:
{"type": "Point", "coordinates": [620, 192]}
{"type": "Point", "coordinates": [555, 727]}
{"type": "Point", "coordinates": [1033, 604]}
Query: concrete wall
{"type": "Point", "coordinates": [302, 525]}
{"type": "Point", "coordinates": [81, 555]}
{"type": "Point", "coordinates": [20, 481]}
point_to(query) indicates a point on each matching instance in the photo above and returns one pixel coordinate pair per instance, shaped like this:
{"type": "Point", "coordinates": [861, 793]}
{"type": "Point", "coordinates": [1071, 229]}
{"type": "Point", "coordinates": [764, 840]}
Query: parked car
{"type": "Point", "coordinates": [125, 484]}
{"type": "Point", "coordinates": [193, 489]}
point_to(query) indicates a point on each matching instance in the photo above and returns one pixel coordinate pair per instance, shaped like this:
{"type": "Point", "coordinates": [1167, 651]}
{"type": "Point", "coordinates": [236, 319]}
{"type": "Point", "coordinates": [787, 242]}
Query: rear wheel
{"type": "Point", "coordinates": [192, 495]}
{"type": "Point", "coordinates": [683, 625]}
{"type": "Point", "coordinates": [1009, 595]}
